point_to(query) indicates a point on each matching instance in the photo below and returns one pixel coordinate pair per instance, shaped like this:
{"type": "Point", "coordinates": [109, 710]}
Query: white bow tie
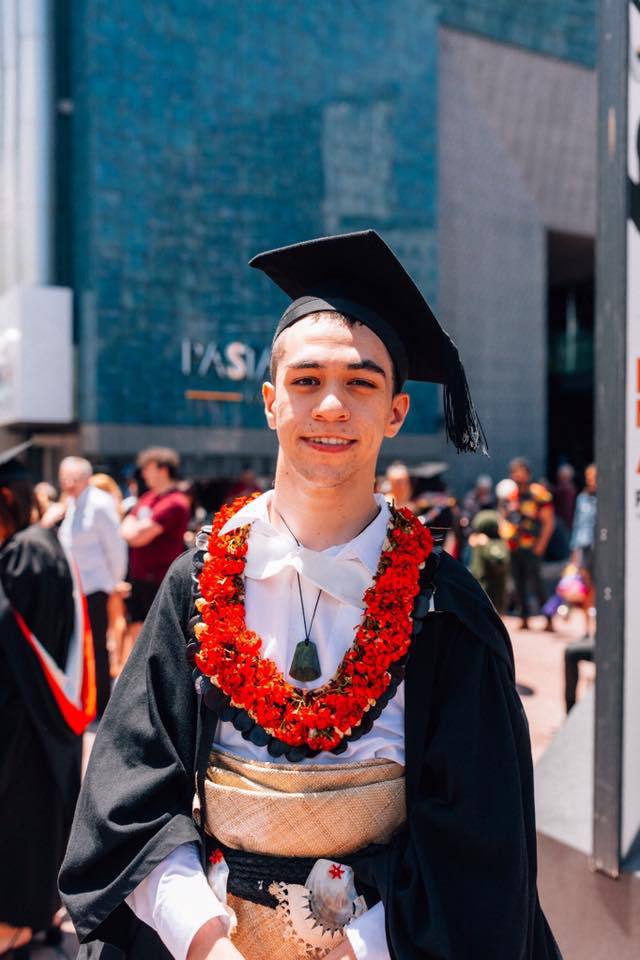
{"type": "Point", "coordinates": [269, 552]}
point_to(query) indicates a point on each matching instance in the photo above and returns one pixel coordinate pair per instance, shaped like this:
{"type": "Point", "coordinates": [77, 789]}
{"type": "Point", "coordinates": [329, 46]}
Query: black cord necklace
{"type": "Point", "coordinates": [305, 664]}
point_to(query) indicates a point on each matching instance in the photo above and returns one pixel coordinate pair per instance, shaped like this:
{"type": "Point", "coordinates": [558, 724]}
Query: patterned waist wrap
{"type": "Point", "coordinates": [287, 833]}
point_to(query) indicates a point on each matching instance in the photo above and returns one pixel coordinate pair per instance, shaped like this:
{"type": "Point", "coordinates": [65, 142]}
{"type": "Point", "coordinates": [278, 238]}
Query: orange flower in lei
{"type": "Point", "coordinates": [229, 653]}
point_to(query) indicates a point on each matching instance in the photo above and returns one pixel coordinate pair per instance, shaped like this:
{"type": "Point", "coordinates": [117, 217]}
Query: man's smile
{"type": "Point", "coordinates": [328, 444]}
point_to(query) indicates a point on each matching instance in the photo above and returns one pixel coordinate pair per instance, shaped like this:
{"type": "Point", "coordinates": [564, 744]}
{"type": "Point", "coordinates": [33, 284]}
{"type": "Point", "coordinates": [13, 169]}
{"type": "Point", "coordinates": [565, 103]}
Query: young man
{"type": "Point", "coordinates": [154, 529]}
{"type": "Point", "coordinates": [360, 765]}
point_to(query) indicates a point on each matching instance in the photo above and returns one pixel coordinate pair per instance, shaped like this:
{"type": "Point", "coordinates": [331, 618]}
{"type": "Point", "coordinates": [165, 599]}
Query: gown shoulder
{"type": "Point", "coordinates": [458, 592]}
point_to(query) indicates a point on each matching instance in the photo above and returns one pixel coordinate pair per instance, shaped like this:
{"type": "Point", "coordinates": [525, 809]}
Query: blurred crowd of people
{"type": "Point", "coordinates": [123, 541]}
{"type": "Point", "coordinates": [504, 533]}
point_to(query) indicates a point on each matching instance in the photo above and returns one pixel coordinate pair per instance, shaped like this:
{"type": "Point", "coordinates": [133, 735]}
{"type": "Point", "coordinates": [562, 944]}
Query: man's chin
{"type": "Point", "coordinates": [325, 476]}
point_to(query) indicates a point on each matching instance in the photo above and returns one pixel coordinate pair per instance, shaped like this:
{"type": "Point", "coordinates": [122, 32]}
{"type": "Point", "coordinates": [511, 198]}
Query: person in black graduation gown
{"type": "Point", "coordinates": [39, 757]}
{"type": "Point", "coordinates": [458, 882]}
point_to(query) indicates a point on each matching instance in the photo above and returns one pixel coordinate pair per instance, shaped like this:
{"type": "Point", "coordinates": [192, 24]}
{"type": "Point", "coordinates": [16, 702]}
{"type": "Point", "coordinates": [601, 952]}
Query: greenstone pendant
{"type": "Point", "coordinates": [305, 664]}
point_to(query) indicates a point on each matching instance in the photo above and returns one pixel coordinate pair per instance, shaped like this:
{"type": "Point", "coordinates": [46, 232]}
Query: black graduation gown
{"type": "Point", "coordinates": [459, 883]}
{"type": "Point", "coordinates": [39, 756]}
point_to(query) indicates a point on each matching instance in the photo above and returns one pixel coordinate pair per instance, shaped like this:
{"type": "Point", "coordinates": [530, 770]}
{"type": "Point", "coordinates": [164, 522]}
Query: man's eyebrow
{"type": "Point", "coordinates": [368, 365]}
{"type": "Point", "coordinates": [305, 365]}
{"type": "Point", "coordinates": [360, 365]}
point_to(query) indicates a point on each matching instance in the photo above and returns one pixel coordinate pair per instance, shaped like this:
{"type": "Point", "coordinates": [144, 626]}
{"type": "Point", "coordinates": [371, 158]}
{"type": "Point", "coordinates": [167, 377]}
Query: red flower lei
{"type": "Point", "coordinates": [230, 653]}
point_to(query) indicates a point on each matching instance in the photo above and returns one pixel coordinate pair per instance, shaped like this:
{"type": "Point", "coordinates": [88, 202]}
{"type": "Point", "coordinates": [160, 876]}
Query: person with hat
{"type": "Point", "coordinates": [490, 557]}
{"type": "Point", "coordinates": [480, 498]}
{"type": "Point", "coordinates": [46, 700]}
{"type": "Point", "coordinates": [337, 762]}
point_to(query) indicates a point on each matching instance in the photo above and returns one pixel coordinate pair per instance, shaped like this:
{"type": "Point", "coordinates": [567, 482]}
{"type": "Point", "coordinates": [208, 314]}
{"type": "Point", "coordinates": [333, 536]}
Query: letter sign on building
{"type": "Point", "coordinates": [236, 361]}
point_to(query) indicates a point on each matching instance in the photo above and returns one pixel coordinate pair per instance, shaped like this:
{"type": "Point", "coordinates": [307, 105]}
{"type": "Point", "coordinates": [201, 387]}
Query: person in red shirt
{"type": "Point", "coordinates": [154, 530]}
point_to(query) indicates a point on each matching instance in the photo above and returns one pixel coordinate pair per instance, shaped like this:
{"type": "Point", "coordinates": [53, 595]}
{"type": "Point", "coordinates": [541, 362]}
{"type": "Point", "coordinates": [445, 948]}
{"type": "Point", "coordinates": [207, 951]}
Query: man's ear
{"type": "Point", "coordinates": [269, 398]}
{"type": "Point", "coordinates": [398, 414]}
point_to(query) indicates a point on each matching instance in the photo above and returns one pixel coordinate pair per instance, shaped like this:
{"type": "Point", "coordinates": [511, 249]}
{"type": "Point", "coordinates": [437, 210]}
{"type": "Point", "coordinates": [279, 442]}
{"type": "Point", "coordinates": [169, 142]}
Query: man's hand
{"type": "Point", "coordinates": [53, 515]}
{"type": "Point", "coordinates": [212, 943]}
{"type": "Point", "coordinates": [342, 952]}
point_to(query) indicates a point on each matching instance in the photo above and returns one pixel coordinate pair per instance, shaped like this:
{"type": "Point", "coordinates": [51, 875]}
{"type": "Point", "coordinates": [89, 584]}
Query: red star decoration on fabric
{"type": "Point", "coordinates": [336, 871]}
{"type": "Point", "coordinates": [216, 856]}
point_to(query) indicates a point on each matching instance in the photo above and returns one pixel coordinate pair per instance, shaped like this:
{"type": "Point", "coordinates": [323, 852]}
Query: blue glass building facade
{"type": "Point", "coordinates": [204, 131]}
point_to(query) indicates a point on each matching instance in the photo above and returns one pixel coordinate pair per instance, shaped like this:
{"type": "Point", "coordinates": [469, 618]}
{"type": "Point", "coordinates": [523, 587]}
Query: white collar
{"type": "Point", "coordinates": [84, 495]}
{"type": "Point", "coordinates": [366, 546]}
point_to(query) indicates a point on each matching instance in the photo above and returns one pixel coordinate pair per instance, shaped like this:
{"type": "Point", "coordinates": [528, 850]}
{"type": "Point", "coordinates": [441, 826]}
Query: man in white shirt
{"type": "Point", "coordinates": [90, 532]}
{"type": "Point", "coordinates": [342, 808]}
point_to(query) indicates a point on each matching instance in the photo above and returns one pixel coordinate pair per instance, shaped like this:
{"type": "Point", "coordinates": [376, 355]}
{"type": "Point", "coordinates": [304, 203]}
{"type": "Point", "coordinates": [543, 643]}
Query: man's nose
{"type": "Point", "coordinates": [331, 407]}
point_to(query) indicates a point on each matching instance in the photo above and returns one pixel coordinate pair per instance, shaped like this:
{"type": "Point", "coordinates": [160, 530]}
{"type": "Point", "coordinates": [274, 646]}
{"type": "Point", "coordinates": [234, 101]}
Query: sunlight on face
{"type": "Point", "coordinates": [73, 480]}
{"type": "Point", "coordinates": [332, 403]}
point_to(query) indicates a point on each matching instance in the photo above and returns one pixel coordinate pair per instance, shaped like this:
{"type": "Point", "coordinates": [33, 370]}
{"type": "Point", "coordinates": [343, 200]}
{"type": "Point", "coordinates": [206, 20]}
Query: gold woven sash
{"type": "Point", "coordinates": [320, 811]}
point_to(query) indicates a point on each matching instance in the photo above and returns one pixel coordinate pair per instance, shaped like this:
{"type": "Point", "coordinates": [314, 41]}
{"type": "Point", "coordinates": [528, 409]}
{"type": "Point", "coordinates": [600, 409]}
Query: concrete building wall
{"type": "Point", "coordinates": [517, 157]}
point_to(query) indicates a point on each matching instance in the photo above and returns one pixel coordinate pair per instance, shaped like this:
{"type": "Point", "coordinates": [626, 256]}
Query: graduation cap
{"type": "Point", "coordinates": [11, 469]}
{"type": "Point", "coordinates": [358, 275]}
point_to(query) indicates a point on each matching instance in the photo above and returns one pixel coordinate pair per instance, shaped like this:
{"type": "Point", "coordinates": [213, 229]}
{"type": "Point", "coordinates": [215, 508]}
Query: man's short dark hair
{"type": "Point", "coordinates": [163, 457]}
{"type": "Point", "coordinates": [520, 463]}
{"type": "Point", "coordinates": [350, 322]}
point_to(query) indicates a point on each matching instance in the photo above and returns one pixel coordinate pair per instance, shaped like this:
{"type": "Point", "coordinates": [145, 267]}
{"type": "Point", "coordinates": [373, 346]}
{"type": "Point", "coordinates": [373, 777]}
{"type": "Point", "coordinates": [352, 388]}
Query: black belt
{"type": "Point", "coordinates": [251, 875]}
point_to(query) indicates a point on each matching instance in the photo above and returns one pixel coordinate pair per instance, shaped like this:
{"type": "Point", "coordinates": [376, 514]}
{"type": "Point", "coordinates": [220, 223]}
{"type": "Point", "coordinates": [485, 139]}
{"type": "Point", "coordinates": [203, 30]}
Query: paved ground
{"type": "Point", "coordinates": [540, 674]}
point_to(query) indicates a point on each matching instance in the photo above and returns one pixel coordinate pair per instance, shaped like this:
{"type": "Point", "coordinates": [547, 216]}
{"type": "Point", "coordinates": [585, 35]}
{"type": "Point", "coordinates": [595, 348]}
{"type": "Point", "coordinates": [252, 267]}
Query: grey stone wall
{"type": "Point", "coordinates": [517, 154]}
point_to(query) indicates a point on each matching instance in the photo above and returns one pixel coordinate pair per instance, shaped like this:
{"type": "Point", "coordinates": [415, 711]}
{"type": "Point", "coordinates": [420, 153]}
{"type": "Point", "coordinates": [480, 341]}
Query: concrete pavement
{"type": "Point", "coordinates": [540, 673]}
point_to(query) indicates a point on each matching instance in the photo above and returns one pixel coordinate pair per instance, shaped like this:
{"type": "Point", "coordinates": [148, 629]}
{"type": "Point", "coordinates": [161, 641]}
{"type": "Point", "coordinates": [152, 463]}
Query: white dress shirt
{"type": "Point", "coordinates": [90, 532]}
{"type": "Point", "coordinates": [175, 898]}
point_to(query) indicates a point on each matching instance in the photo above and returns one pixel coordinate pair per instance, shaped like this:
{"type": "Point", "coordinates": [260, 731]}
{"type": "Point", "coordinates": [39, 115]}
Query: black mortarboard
{"type": "Point", "coordinates": [10, 467]}
{"type": "Point", "coordinates": [358, 275]}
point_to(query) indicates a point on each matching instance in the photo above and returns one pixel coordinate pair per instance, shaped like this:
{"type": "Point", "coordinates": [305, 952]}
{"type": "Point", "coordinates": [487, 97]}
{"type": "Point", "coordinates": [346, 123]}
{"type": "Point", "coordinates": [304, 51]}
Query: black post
{"type": "Point", "coordinates": [610, 340]}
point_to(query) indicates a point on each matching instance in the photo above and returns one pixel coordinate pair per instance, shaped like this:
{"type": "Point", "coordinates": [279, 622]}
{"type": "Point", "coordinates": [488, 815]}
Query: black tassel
{"type": "Point", "coordinates": [462, 423]}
